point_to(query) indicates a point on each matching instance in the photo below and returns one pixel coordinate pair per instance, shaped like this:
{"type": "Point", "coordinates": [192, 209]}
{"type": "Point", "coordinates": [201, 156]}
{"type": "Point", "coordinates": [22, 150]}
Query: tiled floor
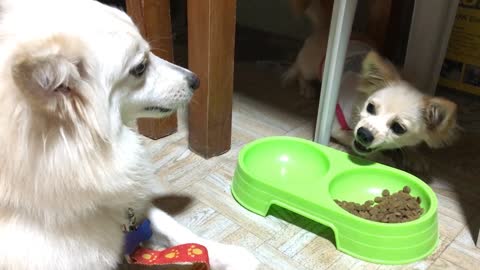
{"type": "Point", "coordinates": [284, 240]}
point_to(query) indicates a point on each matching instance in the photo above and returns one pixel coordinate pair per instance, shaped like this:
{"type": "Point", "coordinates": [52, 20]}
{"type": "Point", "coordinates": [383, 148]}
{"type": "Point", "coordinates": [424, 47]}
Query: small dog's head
{"type": "Point", "coordinates": [395, 114]}
{"type": "Point", "coordinates": [96, 72]}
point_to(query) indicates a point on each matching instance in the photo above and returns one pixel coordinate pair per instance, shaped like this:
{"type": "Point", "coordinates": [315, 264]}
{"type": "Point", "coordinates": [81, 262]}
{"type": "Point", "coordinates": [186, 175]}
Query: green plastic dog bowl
{"type": "Point", "coordinates": [306, 177]}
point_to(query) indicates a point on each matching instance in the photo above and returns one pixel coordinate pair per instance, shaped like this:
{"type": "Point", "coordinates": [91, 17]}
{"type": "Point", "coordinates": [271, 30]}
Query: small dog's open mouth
{"type": "Point", "coordinates": [360, 148]}
{"type": "Point", "coordinates": [158, 109]}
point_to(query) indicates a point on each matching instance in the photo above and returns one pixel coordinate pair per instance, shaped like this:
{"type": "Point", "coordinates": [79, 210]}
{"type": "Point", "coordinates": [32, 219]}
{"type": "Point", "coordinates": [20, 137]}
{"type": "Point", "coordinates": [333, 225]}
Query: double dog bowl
{"type": "Point", "coordinates": [305, 177]}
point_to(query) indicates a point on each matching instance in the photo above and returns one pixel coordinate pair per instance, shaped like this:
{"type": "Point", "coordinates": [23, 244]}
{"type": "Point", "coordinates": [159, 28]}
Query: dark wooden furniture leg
{"type": "Point", "coordinates": [378, 21]}
{"type": "Point", "coordinates": [211, 42]}
{"type": "Point", "coordinates": [153, 19]}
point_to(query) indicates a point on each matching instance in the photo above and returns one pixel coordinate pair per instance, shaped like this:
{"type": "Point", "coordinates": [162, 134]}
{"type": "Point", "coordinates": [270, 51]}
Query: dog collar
{"type": "Point", "coordinates": [134, 237]}
{"type": "Point", "coordinates": [341, 118]}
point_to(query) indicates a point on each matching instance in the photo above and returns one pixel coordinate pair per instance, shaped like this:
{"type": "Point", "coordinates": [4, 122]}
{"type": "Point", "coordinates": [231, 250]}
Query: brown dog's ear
{"type": "Point", "coordinates": [376, 73]}
{"type": "Point", "coordinates": [440, 116]}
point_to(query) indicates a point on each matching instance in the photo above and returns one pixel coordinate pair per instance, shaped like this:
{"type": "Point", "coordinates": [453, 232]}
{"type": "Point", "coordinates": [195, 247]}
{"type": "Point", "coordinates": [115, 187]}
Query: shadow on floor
{"type": "Point", "coordinates": [302, 222]}
{"type": "Point", "coordinates": [458, 166]}
{"type": "Point", "coordinates": [173, 204]}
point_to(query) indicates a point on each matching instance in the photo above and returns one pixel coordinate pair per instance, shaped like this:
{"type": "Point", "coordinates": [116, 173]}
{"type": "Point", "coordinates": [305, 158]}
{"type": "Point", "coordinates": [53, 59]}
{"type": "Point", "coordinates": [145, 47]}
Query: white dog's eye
{"type": "Point", "coordinates": [397, 128]}
{"type": "Point", "coordinates": [139, 69]}
{"type": "Point", "coordinates": [371, 108]}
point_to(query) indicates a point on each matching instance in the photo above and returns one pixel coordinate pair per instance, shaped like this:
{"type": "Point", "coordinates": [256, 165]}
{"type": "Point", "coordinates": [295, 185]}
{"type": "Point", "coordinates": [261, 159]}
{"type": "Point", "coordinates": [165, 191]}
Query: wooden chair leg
{"type": "Point", "coordinates": [378, 21]}
{"type": "Point", "coordinates": [153, 19]}
{"type": "Point", "coordinates": [211, 42]}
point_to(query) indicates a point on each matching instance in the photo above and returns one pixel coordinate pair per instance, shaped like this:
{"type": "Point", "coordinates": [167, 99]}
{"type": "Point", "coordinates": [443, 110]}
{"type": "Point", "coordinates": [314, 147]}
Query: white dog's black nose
{"type": "Point", "coordinates": [193, 81]}
{"type": "Point", "coordinates": [364, 136]}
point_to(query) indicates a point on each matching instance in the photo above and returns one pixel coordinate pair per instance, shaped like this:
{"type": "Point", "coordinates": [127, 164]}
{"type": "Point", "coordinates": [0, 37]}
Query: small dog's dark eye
{"type": "Point", "coordinates": [397, 128]}
{"type": "Point", "coordinates": [139, 69]}
{"type": "Point", "coordinates": [370, 108]}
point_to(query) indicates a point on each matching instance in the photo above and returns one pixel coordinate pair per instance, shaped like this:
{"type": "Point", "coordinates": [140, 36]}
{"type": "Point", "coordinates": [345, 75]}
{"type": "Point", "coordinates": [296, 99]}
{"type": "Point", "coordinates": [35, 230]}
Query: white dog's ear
{"type": "Point", "coordinates": [440, 116]}
{"type": "Point", "coordinates": [376, 73]}
{"type": "Point", "coordinates": [49, 71]}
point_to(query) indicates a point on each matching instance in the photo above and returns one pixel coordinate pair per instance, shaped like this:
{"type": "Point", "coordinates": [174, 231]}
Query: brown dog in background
{"type": "Point", "coordinates": [306, 69]}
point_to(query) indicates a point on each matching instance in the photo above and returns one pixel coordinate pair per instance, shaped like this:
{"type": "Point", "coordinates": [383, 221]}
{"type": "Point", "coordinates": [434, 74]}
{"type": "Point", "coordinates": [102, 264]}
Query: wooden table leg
{"type": "Point", "coordinates": [211, 42]}
{"type": "Point", "coordinates": [378, 22]}
{"type": "Point", "coordinates": [153, 19]}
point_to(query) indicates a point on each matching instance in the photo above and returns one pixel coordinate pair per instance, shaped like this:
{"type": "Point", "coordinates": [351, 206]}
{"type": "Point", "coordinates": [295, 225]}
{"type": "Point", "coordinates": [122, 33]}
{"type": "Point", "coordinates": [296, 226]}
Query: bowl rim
{"type": "Point", "coordinates": [249, 146]}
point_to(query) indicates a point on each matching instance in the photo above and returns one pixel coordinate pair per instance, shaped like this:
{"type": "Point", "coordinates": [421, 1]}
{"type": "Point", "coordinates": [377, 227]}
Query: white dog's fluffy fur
{"type": "Point", "coordinates": [74, 74]}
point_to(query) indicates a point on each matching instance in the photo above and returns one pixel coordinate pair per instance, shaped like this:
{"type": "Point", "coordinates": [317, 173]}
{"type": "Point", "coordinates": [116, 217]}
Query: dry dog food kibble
{"type": "Point", "coordinates": [390, 208]}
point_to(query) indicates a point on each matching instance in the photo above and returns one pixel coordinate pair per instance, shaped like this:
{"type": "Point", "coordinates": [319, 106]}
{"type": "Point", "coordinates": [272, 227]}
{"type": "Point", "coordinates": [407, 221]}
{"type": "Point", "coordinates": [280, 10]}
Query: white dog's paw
{"type": "Point", "coordinates": [229, 257]}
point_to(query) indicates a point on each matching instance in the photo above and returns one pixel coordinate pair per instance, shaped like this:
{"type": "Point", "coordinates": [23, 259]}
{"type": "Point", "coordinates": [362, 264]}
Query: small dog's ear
{"type": "Point", "coordinates": [440, 116]}
{"type": "Point", "coordinates": [376, 73]}
{"type": "Point", "coordinates": [48, 71]}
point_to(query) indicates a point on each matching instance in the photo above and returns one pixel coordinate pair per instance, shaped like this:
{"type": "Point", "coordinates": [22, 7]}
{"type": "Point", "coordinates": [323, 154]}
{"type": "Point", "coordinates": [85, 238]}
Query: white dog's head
{"type": "Point", "coordinates": [87, 65]}
{"type": "Point", "coordinates": [395, 114]}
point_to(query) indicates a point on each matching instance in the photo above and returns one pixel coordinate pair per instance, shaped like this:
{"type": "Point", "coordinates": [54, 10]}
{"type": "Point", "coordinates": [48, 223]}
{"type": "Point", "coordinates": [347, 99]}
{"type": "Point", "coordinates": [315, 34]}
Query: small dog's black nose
{"type": "Point", "coordinates": [193, 81]}
{"type": "Point", "coordinates": [364, 136]}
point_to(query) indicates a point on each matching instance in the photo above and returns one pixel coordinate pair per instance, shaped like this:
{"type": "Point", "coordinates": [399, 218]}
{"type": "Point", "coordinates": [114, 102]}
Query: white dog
{"type": "Point", "coordinates": [73, 74]}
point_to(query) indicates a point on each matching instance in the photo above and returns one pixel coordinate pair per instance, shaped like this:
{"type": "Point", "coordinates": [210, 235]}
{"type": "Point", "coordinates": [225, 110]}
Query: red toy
{"type": "Point", "coordinates": [187, 256]}
{"type": "Point", "coordinates": [194, 255]}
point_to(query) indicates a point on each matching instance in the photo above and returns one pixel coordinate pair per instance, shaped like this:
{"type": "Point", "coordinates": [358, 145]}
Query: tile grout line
{"type": "Point", "coordinates": [446, 247]}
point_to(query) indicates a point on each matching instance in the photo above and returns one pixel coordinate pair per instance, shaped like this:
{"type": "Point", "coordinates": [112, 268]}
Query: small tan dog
{"type": "Point", "coordinates": [379, 115]}
{"type": "Point", "coordinates": [305, 70]}
{"type": "Point", "coordinates": [387, 113]}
